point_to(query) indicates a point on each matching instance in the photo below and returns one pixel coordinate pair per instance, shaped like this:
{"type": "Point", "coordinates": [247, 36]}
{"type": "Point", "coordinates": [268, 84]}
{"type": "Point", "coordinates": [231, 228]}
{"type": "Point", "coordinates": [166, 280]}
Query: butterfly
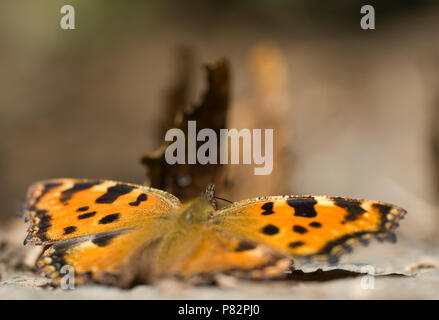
{"type": "Point", "coordinates": [120, 234]}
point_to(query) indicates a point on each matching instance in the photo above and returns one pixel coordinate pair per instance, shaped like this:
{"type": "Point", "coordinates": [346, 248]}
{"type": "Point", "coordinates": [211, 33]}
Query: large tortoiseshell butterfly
{"type": "Point", "coordinates": [120, 233]}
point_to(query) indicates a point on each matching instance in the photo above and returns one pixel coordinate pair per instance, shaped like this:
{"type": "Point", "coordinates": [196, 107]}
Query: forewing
{"type": "Point", "coordinates": [61, 209]}
{"type": "Point", "coordinates": [310, 226]}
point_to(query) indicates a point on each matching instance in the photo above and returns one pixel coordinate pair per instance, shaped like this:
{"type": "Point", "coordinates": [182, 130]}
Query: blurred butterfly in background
{"type": "Point", "coordinates": [122, 234]}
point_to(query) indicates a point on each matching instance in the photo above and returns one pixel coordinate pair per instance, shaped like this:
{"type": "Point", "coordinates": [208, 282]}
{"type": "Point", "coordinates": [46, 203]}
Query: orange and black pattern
{"type": "Point", "coordinates": [118, 233]}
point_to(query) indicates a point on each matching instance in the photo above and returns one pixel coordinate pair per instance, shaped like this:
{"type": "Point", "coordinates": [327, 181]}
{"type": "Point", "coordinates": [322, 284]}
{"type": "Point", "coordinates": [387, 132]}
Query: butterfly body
{"type": "Point", "coordinates": [187, 228]}
{"type": "Point", "coordinates": [118, 233]}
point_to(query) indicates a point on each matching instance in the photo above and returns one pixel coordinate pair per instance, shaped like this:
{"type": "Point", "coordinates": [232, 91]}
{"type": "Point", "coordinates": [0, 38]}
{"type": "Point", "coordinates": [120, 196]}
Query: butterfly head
{"type": "Point", "coordinates": [195, 211]}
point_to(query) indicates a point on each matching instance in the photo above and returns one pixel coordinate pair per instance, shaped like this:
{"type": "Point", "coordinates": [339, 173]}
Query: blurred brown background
{"type": "Point", "coordinates": [359, 108]}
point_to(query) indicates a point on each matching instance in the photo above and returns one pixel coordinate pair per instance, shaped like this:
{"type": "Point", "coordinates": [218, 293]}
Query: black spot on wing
{"type": "Point", "coordinates": [303, 207]}
{"type": "Point", "coordinates": [86, 215]}
{"type": "Point", "coordinates": [114, 192]}
{"type": "Point", "coordinates": [268, 208]}
{"type": "Point", "coordinates": [300, 229]}
{"type": "Point", "coordinates": [315, 224]}
{"type": "Point", "coordinates": [353, 208]}
{"type": "Point", "coordinates": [69, 230]}
{"type": "Point", "coordinates": [270, 229]}
{"type": "Point", "coordinates": [66, 195]}
{"type": "Point", "coordinates": [142, 197]}
{"type": "Point", "coordinates": [244, 246]}
{"type": "Point", "coordinates": [382, 208]}
{"type": "Point", "coordinates": [82, 209]}
{"type": "Point", "coordinates": [102, 241]}
{"type": "Point", "coordinates": [296, 244]}
{"type": "Point", "coordinates": [109, 218]}
{"type": "Point", "coordinates": [45, 220]}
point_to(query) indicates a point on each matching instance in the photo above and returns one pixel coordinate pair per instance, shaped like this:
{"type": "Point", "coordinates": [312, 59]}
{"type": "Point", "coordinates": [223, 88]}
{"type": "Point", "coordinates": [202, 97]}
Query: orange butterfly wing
{"type": "Point", "coordinates": [216, 252]}
{"type": "Point", "coordinates": [95, 226]}
{"type": "Point", "coordinates": [116, 257]}
{"type": "Point", "coordinates": [310, 226]}
{"type": "Point", "coordinates": [60, 209]}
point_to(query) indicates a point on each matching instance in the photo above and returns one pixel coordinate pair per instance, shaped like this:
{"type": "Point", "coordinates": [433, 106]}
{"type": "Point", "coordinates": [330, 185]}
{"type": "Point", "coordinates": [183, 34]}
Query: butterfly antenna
{"type": "Point", "coordinates": [210, 196]}
{"type": "Point", "coordinates": [223, 199]}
